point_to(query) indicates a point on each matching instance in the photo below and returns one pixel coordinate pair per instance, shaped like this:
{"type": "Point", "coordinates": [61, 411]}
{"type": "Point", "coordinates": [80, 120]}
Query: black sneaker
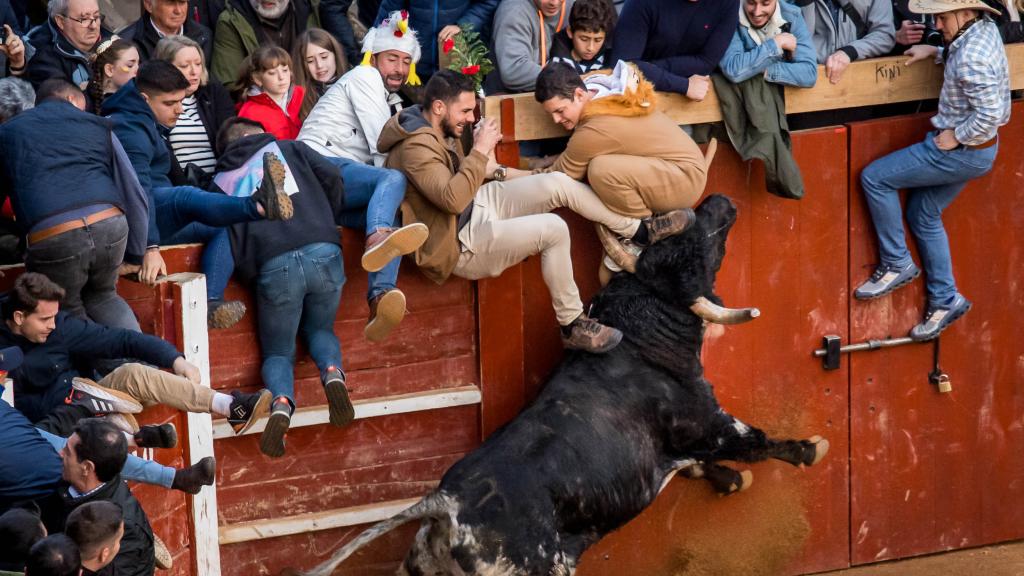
{"type": "Point", "coordinates": [162, 436]}
{"type": "Point", "coordinates": [222, 314]}
{"type": "Point", "coordinates": [193, 478]}
{"type": "Point", "coordinates": [277, 205]}
{"type": "Point", "coordinates": [338, 402]}
{"type": "Point", "coordinates": [246, 409]}
{"type": "Point", "coordinates": [100, 400]}
{"type": "Point", "coordinates": [272, 439]}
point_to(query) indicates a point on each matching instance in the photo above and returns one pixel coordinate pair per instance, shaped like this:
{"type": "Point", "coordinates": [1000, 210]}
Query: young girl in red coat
{"type": "Point", "coordinates": [269, 96]}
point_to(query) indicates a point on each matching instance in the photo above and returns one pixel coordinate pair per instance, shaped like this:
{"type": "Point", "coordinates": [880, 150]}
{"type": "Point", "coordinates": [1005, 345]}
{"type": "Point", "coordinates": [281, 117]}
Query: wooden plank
{"type": "Point", "coordinates": [370, 408]}
{"type": "Point", "coordinates": [313, 522]}
{"type": "Point", "coordinates": [865, 83]}
{"type": "Point", "coordinates": [500, 317]}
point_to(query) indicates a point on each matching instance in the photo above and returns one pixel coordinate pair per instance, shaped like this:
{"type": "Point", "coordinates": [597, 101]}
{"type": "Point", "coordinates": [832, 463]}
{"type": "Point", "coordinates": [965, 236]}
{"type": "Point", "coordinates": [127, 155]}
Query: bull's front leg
{"type": "Point", "coordinates": [735, 440]}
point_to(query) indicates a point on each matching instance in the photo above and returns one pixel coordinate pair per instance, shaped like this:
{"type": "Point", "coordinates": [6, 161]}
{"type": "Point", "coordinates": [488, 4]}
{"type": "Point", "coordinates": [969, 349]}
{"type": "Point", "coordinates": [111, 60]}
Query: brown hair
{"type": "Point", "coordinates": [300, 74]}
{"type": "Point", "coordinates": [29, 289]}
{"type": "Point", "coordinates": [105, 55]}
{"type": "Point", "coordinates": [263, 59]}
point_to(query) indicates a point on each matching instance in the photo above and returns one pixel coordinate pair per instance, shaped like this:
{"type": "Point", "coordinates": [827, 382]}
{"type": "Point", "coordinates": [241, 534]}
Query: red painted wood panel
{"type": "Point", "coordinates": [934, 471]}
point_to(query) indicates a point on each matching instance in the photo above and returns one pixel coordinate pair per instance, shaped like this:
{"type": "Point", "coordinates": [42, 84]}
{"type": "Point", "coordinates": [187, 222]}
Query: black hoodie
{"type": "Point", "coordinates": [318, 203]}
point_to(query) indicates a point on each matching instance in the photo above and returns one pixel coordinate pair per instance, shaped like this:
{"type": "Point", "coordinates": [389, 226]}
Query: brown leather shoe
{"type": "Point", "coordinates": [386, 244]}
{"type": "Point", "coordinates": [590, 335]}
{"type": "Point", "coordinates": [386, 311]}
{"type": "Point", "coordinates": [661, 226]}
{"type": "Point", "coordinates": [277, 205]}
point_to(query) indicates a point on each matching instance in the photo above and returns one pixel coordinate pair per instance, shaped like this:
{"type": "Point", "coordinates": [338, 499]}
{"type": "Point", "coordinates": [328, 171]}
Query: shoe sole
{"type": "Point", "coordinates": [257, 412]}
{"type": "Point", "coordinates": [119, 401]}
{"type": "Point", "coordinates": [946, 324]}
{"type": "Point", "coordinates": [390, 312]}
{"type": "Point", "coordinates": [892, 288]}
{"type": "Point", "coordinates": [403, 241]}
{"type": "Point", "coordinates": [226, 315]}
{"type": "Point", "coordinates": [610, 345]}
{"type": "Point", "coordinates": [282, 209]}
{"type": "Point", "coordinates": [272, 439]}
{"type": "Point", "coordinates": [161, 556]}
{"type": "Point", "coordinates": [338, 403]}
{"type": "Point", "coordinates": [168, 437]}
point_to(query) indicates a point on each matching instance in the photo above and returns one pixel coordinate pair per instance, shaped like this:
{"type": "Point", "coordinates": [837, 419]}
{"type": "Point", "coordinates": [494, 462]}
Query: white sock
{"type": "Point", "coordinates": [221, 403]}
{"type": "Point", "coordinates": [131, 440]}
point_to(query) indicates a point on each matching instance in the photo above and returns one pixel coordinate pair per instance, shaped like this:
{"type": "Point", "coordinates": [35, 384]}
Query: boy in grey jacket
{"type": "Point", "coordinates": [848, 30]}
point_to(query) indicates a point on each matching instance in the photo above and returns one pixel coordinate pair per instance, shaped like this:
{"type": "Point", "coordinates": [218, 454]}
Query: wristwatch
{"type": "Point", "coordinates": [500, 173]}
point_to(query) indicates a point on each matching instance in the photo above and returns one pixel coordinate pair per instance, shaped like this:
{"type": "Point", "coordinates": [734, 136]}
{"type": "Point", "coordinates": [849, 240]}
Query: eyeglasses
{"type": "Point", "coordinates": [87, 21]}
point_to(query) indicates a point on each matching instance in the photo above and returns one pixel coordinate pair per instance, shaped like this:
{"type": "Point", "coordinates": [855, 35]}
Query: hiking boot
{"type": "Point", "coordinates": [246, 409]}
{"type": "Point", "coordinates": [100, 400]}
{"type": "Point", "coordinates": [161, 555]}
{"type": "Point", "coordinates": [272, 439]}
{"type": "Point", "coordinates": [590, 335]}
{"type": "Point", "coordinates": [386, 311]}
{"type": "Point", "coordinates": [661, 226]}
{"type": "Point", "coordinates": [885, 279]}
{"type": "Point", "coordinates": [277, 205]}
{"type": "Point", "coordinates": [938, 319]}
{"type": "Point", "coordinates": [338, 402]}
{"type": "Point", "coordinates": [162, 436]}
{"type": "Point", "coordinates": [222, 314]}
{"type": "Point", "coordinates": [123, 422]}
{"type": "Point", "coordinates": [386, 244]}
{"type": "Point", "coordinates": [193, 478]}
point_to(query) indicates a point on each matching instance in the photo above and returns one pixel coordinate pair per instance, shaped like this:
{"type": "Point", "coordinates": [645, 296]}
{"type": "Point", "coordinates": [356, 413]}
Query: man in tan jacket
{"type": "Point", "coordinates": [478, 230]}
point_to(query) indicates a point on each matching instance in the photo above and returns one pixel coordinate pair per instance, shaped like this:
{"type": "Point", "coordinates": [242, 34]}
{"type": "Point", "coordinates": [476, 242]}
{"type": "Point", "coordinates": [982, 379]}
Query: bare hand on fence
{"type": "Point", "coordinates": [835, 65]}
{"type": "Point", "coordinates": [920, 52]}
{"type": "Point", "coordinates": [698, 87]}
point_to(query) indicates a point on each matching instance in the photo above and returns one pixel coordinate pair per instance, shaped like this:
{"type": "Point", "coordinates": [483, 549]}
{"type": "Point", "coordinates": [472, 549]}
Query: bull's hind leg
{"type": "Point", "coordinates": [734, 440]}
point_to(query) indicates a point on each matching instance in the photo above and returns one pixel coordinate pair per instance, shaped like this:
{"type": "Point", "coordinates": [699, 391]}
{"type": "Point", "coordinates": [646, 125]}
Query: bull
{"type": "Point", "coordinates": [607, 432]}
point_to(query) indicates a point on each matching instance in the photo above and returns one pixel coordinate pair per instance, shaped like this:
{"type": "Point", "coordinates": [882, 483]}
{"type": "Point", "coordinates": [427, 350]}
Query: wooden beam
{"type": "Point", "coordinates": [866, 83]}
{"type": "Point", "coordinates": [370, 408]}
{"type": "Point", "coordinates": [311, 522]}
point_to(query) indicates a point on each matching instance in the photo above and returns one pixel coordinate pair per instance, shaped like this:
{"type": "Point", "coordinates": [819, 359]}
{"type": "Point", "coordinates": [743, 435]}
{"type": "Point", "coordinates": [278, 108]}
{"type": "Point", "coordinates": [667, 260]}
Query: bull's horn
{"type": "Point", "coordinates": [709, 153]}
{"type": "Point", "coordinates": [712, 312]}
{"type": "Point", "coordinates": [615, 251]}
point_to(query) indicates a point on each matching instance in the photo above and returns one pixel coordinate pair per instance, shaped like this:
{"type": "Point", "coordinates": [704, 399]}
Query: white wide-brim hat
{"type": "Point", "coordinates": [940, 6]}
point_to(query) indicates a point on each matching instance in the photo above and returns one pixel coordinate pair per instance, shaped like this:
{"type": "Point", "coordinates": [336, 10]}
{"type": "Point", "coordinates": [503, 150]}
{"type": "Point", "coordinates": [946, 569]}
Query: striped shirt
{"type": "Point", "coordinates": [189, 140]}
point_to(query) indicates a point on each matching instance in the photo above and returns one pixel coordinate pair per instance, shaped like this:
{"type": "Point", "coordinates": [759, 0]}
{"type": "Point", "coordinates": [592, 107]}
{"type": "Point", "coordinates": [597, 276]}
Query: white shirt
{"type": "Point", "coordinates": [189, 140]}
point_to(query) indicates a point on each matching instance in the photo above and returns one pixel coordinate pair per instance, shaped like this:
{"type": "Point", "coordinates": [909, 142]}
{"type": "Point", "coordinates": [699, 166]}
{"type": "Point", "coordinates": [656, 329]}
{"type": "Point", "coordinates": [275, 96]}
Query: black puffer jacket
{"type": "Point", "coordinates": [55, 57]}
{"type": "Point", "coordinates": [147, 39]}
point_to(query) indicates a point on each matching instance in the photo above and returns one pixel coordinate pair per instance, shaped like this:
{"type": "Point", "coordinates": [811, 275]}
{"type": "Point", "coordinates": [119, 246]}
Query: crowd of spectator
{"type": "Point", "coordinates": [246, 127]}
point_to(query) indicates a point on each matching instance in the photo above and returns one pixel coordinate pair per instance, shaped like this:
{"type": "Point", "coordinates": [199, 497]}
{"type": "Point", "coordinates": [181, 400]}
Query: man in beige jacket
{"type": "Point", "coordinates": [478, 230]}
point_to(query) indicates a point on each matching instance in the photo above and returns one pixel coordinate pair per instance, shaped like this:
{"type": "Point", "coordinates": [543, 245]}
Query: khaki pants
{"type": "Point", "coordinates": [151, 386]}
{"type": "Point", "coordinates": [637, 186]}
{"type": "Point", "coordinates": [510, 222]}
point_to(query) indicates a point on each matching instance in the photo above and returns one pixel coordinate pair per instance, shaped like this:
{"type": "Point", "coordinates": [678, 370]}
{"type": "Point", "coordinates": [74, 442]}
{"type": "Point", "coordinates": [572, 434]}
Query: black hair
{"type": "Point", "coordinates": [29, 289]}
{"type": "Point", "coordinates": [235, 128]}
{"type": "Point", "coordinates": [446, 86]}
{"type": "Point", "coordinates": [557, 79]}
{"type": "Point", "coordinates": [592, 16]}
{"type": "Point", "coordinates": [55, 555]}
{"type": "Point", "coordinates": [160, 77]}
{"type": "Point", "coordinates": [93, 524]}
{"type": "Point", "coordinates": [104, 445]}
{"type": "Point", "coordinates": [20, 529]}
{"type": "Point", "coordinates": [57, 89]}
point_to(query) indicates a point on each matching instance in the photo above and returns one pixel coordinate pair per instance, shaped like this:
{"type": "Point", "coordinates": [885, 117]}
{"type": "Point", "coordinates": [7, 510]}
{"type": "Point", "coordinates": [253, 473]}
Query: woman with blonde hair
{"type": "Point", "coordinates": [319, 61]}
{"type": "Point", "coordinates": [205, 107]}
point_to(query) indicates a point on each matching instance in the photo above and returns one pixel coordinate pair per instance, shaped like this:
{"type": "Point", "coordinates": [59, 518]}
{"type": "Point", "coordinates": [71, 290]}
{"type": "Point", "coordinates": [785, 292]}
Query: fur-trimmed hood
{"type": "Point", "coordinates": [624, 92]}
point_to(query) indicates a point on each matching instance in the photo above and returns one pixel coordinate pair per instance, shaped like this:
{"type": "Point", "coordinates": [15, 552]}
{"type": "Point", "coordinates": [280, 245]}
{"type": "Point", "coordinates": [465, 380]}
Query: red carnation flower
{"type": "Point", "coordinates": [470, 70]}
{"type": "Point", "coordinates": [405, 14]}
{"type": "Point", "coordinates": [448, 45]}
{"type": "Point", "coordinates": [399, 33]}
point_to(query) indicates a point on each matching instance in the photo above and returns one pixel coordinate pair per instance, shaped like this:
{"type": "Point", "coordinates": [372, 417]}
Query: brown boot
{"type": "Point", "coordinates": [386, 311]}
{"type": "Point", "coordinates": [386, 244]}
{"type": "Point", "coordinates": [277, 205]}
{"type": "Point", "coordinates": [661, 226]}
{"type": "Point", "coordinates": [221, 314]}
{"type": "Point", "coordinates": [590, 336]}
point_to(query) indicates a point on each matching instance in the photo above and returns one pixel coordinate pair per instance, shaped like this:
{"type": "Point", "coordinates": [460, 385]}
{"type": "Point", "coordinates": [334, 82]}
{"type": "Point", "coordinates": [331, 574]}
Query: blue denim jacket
{"type": "Point", "coordinates": [744, 59]}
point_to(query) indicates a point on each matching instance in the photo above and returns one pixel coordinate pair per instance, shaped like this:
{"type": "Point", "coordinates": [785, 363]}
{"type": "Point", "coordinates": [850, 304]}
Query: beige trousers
{"type": "Point", "coordinates": [151, 386]}
{"type": "Point", "coordinates": [510, 222]}
{"type": "Point", "coordinates": [637, 186]}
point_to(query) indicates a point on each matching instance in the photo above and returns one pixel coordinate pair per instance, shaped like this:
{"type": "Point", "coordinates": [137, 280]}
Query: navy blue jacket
{"type": "Point", "coordinates": [671, 40]}
{"type": "Point", "coordinates": [144, 141]}
{"type": "Point", "coordinates": [428, 18]}
{"type": "Point", "coordinates": [145, 36]}
{"type": "Point", "coordinates": [55, 57]}
{"type": "Point", "coordinates": [44, 378]}
{"type": "Point", "coordinates": [29, 466]}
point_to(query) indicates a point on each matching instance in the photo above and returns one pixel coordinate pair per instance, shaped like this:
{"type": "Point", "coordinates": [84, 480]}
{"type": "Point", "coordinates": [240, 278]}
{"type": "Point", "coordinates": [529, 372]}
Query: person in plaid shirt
{"type": "Point", "coordinates": [973, 104]}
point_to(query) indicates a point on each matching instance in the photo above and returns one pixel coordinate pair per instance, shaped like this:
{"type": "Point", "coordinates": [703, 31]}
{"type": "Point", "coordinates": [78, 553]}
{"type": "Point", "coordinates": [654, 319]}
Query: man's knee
{"type": "Point", "coordinates": [923, 217]}
{"type": "Point", "coordinates": [553, 231]}
{"type": "Point", "coordinates": [393, 179]}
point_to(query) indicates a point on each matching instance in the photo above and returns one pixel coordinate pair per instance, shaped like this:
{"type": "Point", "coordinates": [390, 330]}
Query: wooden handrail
{"type": "Point", "coordinates": [865, 83]}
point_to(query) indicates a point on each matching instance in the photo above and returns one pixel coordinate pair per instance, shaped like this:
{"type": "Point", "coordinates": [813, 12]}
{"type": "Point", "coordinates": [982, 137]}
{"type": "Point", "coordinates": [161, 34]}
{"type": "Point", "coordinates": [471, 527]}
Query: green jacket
{"type": "Point", "coordinates": [238, 34]}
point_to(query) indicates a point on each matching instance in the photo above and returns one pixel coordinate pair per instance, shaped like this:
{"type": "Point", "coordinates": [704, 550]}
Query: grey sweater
{"type": "Point", "coordinates": [517, 43]}
{"type": "Point", "coordinates": [833, 30]}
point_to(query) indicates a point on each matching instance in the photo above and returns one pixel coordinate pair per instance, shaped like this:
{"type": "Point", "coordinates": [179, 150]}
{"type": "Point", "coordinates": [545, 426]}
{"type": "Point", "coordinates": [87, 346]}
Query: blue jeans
{"type": "Point", "coordinates": [186, 215]}
{"type": "Point", "coordinates": [933, 179]}
{"type": "Point", "coordinates": [135, 468]}
{"type": "Point", "coordinates": [298, 292]}
{"type": "Point", "coordinates": [372, 198]}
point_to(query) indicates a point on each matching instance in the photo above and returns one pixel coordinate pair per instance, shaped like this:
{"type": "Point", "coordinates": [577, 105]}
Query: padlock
{"type": "Point", "coordinates": [941, 380]}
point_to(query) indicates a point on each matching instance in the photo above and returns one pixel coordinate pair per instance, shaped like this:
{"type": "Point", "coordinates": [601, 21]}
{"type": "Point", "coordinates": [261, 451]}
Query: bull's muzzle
{"type": "Point", "coordinates": [712, 312]}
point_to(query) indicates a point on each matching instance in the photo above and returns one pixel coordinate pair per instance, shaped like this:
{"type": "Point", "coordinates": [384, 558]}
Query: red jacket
{"type": "Point", "coordinates": [264, 110]}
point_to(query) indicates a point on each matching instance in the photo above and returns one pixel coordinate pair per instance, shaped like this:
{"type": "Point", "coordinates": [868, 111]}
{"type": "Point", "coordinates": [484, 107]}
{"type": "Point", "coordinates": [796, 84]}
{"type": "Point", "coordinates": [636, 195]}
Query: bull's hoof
{"type": "Point", "coordinates": [739, 482]}
{"type": "Point", "coordinates": [746, 479]}
{"type": "Point", "coordinates": [815, 449]}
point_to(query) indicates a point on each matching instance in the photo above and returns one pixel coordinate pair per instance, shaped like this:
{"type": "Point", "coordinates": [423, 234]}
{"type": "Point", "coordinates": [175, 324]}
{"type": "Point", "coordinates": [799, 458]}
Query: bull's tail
{"type": "Point", "coordinates": [433, 505]}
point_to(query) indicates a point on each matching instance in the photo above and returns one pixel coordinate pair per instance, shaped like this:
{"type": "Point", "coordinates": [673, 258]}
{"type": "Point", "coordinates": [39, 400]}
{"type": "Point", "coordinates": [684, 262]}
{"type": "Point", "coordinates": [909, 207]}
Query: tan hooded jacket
{"type": "Point", "coordinates": [436, 192]}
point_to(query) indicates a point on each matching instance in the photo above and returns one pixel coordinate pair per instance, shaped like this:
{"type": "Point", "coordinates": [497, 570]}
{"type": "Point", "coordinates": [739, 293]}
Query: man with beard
{"type": "Point", "coordinates": [66, 43]}
{"type": "Point", "coordinates": [245, 25]}
{"type": "Point", "coordinates": [478, 230]}
{"type": "Point", "coordinates": [344, 127]}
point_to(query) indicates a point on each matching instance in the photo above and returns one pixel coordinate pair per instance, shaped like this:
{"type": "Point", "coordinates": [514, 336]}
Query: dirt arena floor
{"type": "Point", "coordinates": [999, 560]}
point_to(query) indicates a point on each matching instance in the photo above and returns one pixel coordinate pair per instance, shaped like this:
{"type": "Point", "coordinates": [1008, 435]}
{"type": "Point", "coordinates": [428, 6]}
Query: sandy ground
{"type": "Point", "coordinates": [999, 560]}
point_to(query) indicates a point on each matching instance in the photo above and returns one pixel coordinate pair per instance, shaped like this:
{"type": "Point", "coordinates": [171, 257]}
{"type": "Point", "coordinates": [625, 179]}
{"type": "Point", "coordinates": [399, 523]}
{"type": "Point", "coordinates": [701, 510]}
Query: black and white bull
{"type": "Point", "coordinates": [605, 435]}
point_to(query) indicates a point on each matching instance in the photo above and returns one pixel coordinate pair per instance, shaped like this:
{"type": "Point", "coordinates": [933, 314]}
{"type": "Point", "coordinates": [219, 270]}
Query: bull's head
{"type": "Point", "coordinates": [681, 269]}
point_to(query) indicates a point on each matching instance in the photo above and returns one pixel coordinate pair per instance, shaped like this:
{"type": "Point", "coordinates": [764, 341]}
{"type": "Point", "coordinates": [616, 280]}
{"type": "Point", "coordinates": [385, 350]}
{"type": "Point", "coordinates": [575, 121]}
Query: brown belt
{"type": "Point", "coordinates": [40, 235]}
{"type": "Point", "coordinates": [988, 144]}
